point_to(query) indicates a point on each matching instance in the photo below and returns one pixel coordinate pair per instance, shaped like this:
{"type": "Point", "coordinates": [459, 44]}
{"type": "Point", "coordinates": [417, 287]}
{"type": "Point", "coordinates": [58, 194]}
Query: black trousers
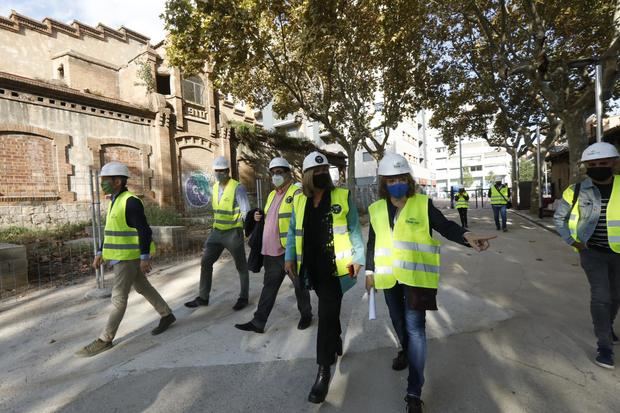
{"type": "Point", "coordinates": [327, 288]}
{"type": "Point", "coordinates": [274, 275]}
{"type": "Point", "coordinates": [463, 216]}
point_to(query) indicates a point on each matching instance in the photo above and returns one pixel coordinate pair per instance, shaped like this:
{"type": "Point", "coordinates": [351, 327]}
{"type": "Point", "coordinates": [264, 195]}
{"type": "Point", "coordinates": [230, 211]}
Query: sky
{"type": "Point", "coordinates": [141, 16]}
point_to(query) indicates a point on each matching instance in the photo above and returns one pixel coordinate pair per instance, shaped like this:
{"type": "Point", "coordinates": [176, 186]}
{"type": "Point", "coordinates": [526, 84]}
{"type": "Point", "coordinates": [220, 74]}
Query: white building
{"type": "Point", "coordinates": [295, 126]}
{"type": "Point", "coordinates": [409, 139]}
{"type": "Point", "coordinates": [479, 160]}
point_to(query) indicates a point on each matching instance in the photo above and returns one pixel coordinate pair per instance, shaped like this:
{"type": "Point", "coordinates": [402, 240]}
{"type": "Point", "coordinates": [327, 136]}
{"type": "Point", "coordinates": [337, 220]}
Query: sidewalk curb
{"type": "Point", "coordinates": [533, 221]}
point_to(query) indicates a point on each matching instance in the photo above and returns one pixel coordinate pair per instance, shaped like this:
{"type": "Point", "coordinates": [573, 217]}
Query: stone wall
{"type": "Point", "coordinates": [44, 215]}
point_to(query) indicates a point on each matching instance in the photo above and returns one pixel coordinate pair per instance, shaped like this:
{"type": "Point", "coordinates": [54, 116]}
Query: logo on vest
{"type": "Point", "coordinates": [412, 221]}
{"type": "Point", "coordinates": [289, 199]}
{"type": "Point", "coordinates": [336, 209]}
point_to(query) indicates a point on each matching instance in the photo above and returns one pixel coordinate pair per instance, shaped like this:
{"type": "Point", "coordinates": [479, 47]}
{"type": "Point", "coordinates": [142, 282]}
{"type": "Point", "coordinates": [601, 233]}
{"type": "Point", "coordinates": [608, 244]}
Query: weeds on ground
{"type": "Point", "coordinates": [22, 235]}
{"type": "Point", "coordinates": [158, 216]}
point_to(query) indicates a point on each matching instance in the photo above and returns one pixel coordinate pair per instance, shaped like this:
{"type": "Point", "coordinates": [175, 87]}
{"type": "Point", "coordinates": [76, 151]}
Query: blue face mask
{"type": "Point", "coordinates": [398, 190]}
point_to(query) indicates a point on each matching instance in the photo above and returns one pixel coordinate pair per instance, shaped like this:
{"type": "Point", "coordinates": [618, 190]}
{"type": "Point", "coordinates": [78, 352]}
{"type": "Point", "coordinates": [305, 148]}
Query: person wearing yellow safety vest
{"type": "Point", "coordinates": [588, 218]}
{"type": "Point", "coordinates": [277, 216]}
{"type": "Point", "coordinates": [403, 260]}
{"type": "Point", "coordinates": [230, 207]}
{"type": "Point", "coordinates": [324, 248]}
{"type": "Point", "coordinates": [462, 204]}
{"type": "Point", "coordinates": [127, 246]}
{"type": "Point", "coordinates": [500, 195]}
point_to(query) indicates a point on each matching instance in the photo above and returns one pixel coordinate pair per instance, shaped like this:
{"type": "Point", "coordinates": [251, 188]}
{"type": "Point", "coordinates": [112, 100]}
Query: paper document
{"type": "Point", "coordinates": [372, 310]}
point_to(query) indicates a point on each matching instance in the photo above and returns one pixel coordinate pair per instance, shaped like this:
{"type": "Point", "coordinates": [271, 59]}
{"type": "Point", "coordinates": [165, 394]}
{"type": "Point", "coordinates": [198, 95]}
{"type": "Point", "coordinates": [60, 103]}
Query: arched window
{"type": "Point", "coordinates": [193, 90]}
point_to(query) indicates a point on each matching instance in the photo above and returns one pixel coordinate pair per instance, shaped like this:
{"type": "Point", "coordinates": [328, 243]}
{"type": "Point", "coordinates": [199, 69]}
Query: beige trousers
{"type": "Point", "coordinates": [127, 274]}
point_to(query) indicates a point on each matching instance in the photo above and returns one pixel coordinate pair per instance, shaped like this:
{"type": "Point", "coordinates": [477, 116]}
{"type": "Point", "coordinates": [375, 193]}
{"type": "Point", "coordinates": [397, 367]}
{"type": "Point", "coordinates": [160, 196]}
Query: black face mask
{"type": "Point", "coordinates": [601, 173]}
{"type": "Point", "coordinates": [321, 181]}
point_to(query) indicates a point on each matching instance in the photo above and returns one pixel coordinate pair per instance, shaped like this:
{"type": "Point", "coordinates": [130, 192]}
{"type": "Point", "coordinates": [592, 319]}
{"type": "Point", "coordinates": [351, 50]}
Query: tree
{"type": "Point", "coordinates": [526, 170]}
{"type": "Point", "coordinates": [329, 60]}
{"type": "Point", "coordinates": [546, 48]}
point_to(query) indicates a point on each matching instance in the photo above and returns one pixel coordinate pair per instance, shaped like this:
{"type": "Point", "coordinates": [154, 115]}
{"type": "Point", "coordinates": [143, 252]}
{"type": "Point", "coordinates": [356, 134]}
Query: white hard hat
{"type": "Point", "coordinates": [314, 159]}
{"type": "Point", "coordinates": [393, 164]}
{"type": "Point", "coordinates": [599, 150]}
{"type": "Point", "coordinates": [220, 163]}
{"type": "Point", "coordinates": [114, 169]}
{"type": "Point", "coordinates": [279, 163]}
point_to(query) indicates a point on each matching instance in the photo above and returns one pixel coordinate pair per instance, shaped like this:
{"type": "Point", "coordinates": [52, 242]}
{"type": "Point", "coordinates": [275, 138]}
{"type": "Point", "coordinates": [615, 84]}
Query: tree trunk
{"type": "Point", "coordinates": [351, 168]}
{"type": "Point", "coordinates": [575, 126]}
{"type": "Point", "coordinates": [534, 199]}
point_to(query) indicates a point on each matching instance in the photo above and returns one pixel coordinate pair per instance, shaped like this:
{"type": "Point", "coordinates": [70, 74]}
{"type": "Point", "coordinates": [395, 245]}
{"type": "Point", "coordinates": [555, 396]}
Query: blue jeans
{"type": "Point", "coordinates": [395, 300]}
{"type": "Point", "coordinates": [410, 326]}
{"type": "Point", "coordinates": [499, 209]}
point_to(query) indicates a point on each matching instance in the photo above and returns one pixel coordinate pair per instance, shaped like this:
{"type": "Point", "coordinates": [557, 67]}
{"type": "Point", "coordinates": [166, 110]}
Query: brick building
{"type": "Point", "coordinates": [73, 97]}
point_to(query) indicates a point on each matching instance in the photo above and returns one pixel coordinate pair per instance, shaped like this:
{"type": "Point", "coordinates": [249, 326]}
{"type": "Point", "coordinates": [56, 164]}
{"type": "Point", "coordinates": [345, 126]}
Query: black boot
{"type": "Point", "coordinates": [400, 362]}
{"type": "Point", "coordinates": [414, 405]}
{"type": "Point", "coordinates": [321, 385]}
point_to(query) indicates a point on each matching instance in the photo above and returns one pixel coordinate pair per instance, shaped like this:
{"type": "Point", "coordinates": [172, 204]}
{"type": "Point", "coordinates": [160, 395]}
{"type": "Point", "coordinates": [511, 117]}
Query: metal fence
{"type": "Point", "coordinates": [55, 263]}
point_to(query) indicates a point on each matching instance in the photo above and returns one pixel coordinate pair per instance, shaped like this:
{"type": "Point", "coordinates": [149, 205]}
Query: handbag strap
{"type": "Point", "coordinates": [502, 195]}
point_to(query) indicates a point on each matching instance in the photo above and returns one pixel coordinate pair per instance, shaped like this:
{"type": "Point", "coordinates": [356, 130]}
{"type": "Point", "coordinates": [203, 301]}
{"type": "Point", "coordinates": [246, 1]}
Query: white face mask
{"type": "Point", "coordinates": [277, 180]}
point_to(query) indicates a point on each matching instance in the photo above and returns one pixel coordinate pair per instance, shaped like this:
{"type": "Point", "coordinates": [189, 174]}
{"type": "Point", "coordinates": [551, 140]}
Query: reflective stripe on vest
{"type": "Point", "coordinates": [496, 196]}
{"type": "Point", "coordinates": [343, 249]}
{"type": "Point", "coordinates": [613, 215]}
{"type": "Point", "coordinates": [121, 242]}
{"type": "Point", "coordinates": [407, 254]}
{"type": "Point", "coordinates": [461, 202]}
{"type": "Point", "coordinates": [225, 214]}
{"type": "Point", "coordinates": [285, 211]}
{"type": "Point", "coordinates": [573, 219]}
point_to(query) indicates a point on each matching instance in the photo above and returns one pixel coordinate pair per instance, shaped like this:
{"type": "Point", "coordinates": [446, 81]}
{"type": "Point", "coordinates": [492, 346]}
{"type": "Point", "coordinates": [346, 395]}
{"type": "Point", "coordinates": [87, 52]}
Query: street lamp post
{"type": "Point", "coordinates": [598, 92]}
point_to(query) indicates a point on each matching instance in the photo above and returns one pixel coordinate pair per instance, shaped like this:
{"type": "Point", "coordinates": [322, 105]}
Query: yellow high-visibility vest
{"type": "Point", "coordinates": [225, 215]}
{"type": "Point", "coordinates": [121, 242]}
{"type": "Point", "coordinates": [613, 215]}
{"type": "Point", "coordinates": [343, 249]}
{"type": "Point", "coordinates": [408, 254]}
{"type": "Point", "coordinates": [461, 202]}
{"type": "Point", "coordinates": [285, 211]}
{"type": "Point", "coordinates": [496, 196]}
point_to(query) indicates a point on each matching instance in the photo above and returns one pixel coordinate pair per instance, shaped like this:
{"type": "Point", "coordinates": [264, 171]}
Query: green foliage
{"type": "Point", "coordinates": [512, 65]}
{"type": "Point", "coordinates": [145, 75]}
{"type": "Point", "coordinates": [22, 235]}
{"type": "Point", "coordinates": [526, 170]}
{"type": "Point", "coordinates": [161, 216]}
{"type": "Point", "coordinates": [327, 60]}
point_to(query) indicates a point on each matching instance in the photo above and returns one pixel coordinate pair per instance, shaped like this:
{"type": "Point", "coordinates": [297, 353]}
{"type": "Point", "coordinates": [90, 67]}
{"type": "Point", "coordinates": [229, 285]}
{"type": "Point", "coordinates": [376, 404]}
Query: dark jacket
{"type": "Point", "coordinates": [254, 230]}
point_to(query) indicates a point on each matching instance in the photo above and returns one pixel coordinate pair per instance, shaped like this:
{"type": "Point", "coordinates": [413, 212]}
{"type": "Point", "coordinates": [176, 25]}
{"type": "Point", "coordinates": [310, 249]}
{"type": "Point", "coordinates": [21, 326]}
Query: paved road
{"type": "Point", "coordinates": [513, 334]}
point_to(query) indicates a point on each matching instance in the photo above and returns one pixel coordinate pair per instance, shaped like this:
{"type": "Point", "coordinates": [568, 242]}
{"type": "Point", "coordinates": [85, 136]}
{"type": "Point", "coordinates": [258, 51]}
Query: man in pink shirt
{"type": "Point", "coordinates": [278, 211]}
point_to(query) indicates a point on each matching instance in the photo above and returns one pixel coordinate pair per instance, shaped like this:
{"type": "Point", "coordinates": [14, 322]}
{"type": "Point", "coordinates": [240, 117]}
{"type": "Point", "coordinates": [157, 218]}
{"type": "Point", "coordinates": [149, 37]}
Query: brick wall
{"type": "Point", "coordinates": [27, 167]}
{"type": "Point", "coordinates": [130, 157]}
